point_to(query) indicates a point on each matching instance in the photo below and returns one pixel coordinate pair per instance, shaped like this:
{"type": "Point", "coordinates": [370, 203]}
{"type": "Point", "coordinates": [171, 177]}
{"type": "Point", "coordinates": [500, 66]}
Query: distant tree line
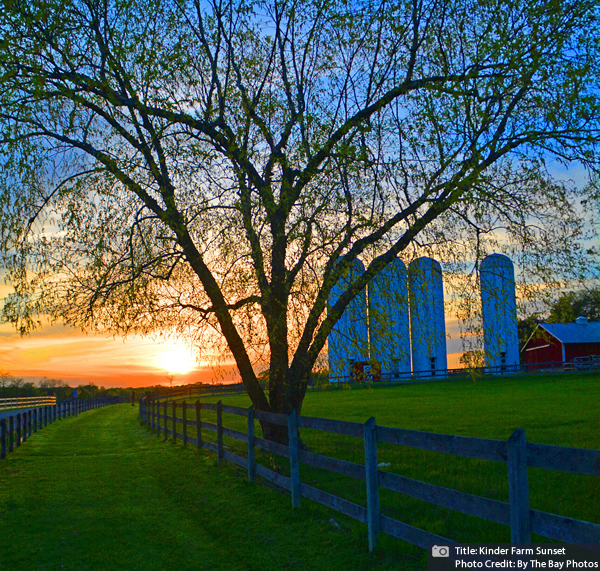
{"type": "Point", "coordinates": [566, 309]}
{"type": "Point", "coordinates": [575, 304]}
{"type": "Point", "coordinates": [13, 387]}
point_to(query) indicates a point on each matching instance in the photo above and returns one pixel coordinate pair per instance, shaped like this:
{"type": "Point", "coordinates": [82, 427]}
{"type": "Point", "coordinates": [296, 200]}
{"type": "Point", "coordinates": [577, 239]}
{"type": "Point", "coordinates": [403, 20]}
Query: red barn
{"type": "Point", "coordinates": [563, 342]}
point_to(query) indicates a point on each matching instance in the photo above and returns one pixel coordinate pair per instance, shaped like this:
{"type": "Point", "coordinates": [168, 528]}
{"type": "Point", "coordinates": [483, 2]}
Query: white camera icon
{"type": "Point", "coordinates": [440, 551]}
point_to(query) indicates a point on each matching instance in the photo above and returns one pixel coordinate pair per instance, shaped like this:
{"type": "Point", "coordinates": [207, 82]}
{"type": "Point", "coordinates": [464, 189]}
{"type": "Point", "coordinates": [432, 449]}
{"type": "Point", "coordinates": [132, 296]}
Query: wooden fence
{"type": "Point", "coordinates": [17, 426]}
{"type": "Point", "coordinates": [516, 452]}
{"type": "Point", "coordinates": [22, 402]}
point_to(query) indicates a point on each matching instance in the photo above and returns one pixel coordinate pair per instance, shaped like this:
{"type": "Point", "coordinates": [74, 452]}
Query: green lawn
{"type": "Point", "coordinates": [561, 410]}
{"type": "Point", "coordinates": [554, 409]}
{"type": "Point", "coordinates": [100, 492]}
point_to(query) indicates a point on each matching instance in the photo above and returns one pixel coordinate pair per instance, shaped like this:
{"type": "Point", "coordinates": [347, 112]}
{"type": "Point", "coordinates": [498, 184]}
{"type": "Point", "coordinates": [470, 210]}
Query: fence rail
{"type": "Point", "coordinates": [17, 426]}
{"type": "Point", "coordinates": [22, 402]}
{"type": "Point", "coordinates": [516, 452]}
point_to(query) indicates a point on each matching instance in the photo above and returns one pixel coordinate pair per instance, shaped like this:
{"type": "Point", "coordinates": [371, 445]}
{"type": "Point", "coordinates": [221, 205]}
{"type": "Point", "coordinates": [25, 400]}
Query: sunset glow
{"type": "Point", "coordinates": [61, 352]}
{"type": "Point", "coordinates": [64, 353]}
{"type": "Point", "coordinates": [178, 360]}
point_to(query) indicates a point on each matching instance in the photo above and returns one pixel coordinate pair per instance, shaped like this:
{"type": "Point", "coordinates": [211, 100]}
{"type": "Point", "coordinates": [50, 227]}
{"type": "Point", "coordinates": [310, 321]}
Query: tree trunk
{"type": "Point", "coordinates": [286, 394]}
{"type": "Point", "coordinates": [275, 432]}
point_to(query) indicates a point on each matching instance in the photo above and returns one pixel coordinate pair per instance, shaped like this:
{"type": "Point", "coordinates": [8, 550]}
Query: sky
{"type": "Point", "coordinates": [61, 352]}
{"type": "Point", "coordinates": [57, 351]}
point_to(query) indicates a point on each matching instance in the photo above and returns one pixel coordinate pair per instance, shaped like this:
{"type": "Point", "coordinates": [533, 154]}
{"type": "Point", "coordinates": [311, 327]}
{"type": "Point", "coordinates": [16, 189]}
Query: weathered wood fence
{"type": "Point", "coordinates": [517, 453]}
{"type": "Point", "coordinates": [22, 402]}
{"type": "Point", "coordinates": [17, 426]}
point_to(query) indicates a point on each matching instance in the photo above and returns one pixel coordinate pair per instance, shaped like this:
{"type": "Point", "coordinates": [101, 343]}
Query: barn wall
{"type": "Point", "coordinates": [573, 350]}
{"type": "Point", "coordinates": [550, 354]}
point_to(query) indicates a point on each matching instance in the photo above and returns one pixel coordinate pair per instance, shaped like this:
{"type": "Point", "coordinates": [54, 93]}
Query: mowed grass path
{"type": "Point", "coordinates": [100, 492]}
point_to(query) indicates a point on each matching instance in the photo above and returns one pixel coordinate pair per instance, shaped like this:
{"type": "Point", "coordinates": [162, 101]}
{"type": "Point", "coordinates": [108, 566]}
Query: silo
{"type": "Point", "coordinates": [499, 309]}
{"type": "Point", "coordinates": [348, 342]}
{"type": "Point", "coordinates": [388, 321]}
{"type": "Point", "coordinates": [428, 325]}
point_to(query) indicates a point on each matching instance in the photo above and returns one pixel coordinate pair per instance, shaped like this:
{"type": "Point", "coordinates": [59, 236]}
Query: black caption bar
{"type": "Point", "coordinates": [521, 556]}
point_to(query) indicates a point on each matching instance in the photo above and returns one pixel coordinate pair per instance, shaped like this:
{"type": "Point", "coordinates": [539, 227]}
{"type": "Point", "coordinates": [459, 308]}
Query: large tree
{"type": "Point", "coordinates": [219, 165]}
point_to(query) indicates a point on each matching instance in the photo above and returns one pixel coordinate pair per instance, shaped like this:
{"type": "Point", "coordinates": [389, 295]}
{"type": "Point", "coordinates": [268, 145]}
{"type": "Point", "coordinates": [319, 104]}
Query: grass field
{"type": "Point", "coordinates": [101, 492]}
{"type": "Point", "coordinates": [554, 409]}
{"type": "Point", "coordinates": [561, 410]}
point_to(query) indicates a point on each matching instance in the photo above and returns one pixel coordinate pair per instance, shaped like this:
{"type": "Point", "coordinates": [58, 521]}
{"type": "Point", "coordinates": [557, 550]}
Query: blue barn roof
{"type": "Point", "coordinates": [574, 332]}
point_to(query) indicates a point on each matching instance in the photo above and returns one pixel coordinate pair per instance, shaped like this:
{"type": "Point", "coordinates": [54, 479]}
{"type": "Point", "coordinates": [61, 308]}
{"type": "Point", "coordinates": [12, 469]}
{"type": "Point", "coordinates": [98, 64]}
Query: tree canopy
{"type": "Point", "coordinates": [218, 166]}
{"type": "Point", "coordinates": [570, 306]}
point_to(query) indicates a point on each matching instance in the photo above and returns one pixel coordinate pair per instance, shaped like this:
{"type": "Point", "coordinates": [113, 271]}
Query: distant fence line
{"type": "Point", "coordinates": [16, 426]}
{"type": "Point", "coordinates": [21, 402]}
{"type": "Point", "coordinates": [393, 379]}
{"type": "Point", "coordinates": [579, 364]}
{"type": "Point", "coordinates": [516, 452]}
{"type": "Point", "coordinates": [202, 390]}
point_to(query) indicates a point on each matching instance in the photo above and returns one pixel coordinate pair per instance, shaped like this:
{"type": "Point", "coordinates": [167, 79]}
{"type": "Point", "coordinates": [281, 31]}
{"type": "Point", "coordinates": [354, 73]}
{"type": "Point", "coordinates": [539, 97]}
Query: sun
{"type": "Point", "coordinates": [177, 360]}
